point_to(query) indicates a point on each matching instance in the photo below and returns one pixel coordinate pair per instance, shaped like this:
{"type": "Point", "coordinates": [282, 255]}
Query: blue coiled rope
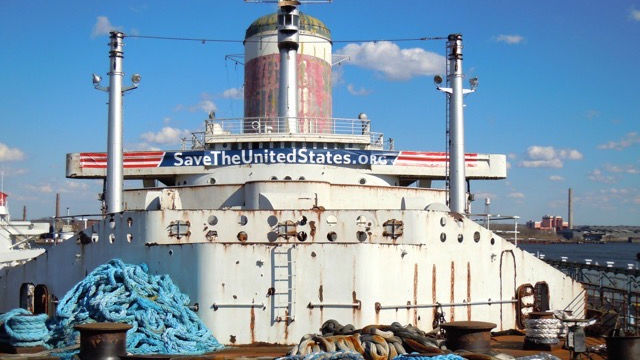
{"type": "Point", "coordinates": [335, 355]}
{"type": "Point", "coordinates": [152, 304]}
{"type": "Point", "coordinates": [23, 329]}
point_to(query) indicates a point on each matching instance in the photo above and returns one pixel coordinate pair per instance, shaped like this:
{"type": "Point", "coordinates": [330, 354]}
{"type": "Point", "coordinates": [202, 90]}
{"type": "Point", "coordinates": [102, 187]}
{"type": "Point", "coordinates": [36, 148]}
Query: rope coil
{"type": "Point", "coordinates": [20, 328]}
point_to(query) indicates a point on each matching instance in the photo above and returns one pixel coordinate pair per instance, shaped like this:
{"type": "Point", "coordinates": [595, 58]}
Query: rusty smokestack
{"type": "Point", "coordinates": [57, 205]}
{"type": "Point", "coordinates": [570, 209]}
{"type": "Point", "coordinates": [24, 212]}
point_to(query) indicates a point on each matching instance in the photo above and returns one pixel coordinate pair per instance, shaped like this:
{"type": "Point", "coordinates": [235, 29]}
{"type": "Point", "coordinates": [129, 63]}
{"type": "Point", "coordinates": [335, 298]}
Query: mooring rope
{"type": "Point", "coordinates": [543, 331]}
{"type": "Point", "coordinates": [152, 304]}
{"type": "Point", "coordinates": [21, 328]}
{"type": "Point", "coordinates": [374, 342]}
{"type": "Point", "coordinates": [118, 292]}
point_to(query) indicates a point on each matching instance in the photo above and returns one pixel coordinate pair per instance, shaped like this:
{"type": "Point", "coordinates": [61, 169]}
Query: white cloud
{"type": "Point", "coordinates": [206, 104]}
{"type": "Point", "coordinates": [509, 39]}
{"type": "Point", "coordinates": [597, 175]}
{"type": "Point", "coordinates": [76, 185]}
{"type": "Point", "coordinates": [556, 178]}
{"type": "Point", "coordinates": [627, 140]}
{"type": "Point", "coordinates": [395, 63]}
{"type": "Point", "coordinates": [103, 26]}
{"type": "Point", "coordinates": [167, 135]}
{"type": "Point", "coordinates": [358, 92]}
{"type": "Point", "coordinates": [233, 93]}
{"type": "Point", "coordinates": [39, 188]}
{"type": "Point", "coordinates": [10, 154]}
{"type": "Point", "coordinates": [141, 146]}
{"type": "Point", "coordinates": [512, 156]}
{"type": "Point", "coordinates": [516, 195]}
{"type": "Point", "coordinates": [548, 156]}
{"type": "Point", "coordinates": [625, 169]}
{"type": "Point", "coordinates": [337, 73]}
{"type": "Point", "coordinates": [635, 14]}
{"type": "Point", "coordinates": [166, 120]}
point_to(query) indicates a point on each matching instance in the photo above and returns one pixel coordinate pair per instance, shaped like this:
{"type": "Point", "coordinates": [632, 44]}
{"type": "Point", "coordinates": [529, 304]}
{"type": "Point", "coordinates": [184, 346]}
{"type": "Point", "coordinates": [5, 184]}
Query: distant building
{"type": "Point", "coordinates": [549, 223]}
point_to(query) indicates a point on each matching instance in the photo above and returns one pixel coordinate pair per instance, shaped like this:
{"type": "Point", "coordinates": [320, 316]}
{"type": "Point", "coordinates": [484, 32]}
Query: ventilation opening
{"type": "Point", "coordinates": [41, 300]}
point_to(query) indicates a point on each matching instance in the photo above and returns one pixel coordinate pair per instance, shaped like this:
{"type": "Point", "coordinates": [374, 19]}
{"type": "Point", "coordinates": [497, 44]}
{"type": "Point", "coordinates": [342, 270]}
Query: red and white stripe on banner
{"type": "Point", "coordinates": [143, 159]}
{"type": "Point", "coordinates": [430, 159]}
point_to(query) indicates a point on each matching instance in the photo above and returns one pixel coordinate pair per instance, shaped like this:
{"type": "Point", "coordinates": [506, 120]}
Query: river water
{"type": "Point", "coordinates": [621, 253]}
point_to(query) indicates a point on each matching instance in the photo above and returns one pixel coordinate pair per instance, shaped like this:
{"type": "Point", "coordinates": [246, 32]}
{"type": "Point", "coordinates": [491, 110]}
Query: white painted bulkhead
{"type": "Point", "coordinates": [417, 267]}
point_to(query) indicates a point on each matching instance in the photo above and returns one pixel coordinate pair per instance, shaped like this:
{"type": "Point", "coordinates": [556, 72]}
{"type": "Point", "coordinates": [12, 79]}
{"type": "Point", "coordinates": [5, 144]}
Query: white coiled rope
{"type": "Point", "coordinates": [543, 331]}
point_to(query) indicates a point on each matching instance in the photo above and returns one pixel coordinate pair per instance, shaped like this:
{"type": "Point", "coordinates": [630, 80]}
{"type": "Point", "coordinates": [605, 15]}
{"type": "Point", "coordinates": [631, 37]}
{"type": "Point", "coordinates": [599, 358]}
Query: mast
{"type": "Point", "coordinates": [114, 181]}
{"type": "Point", "coordinates": [288, 42]}
{"type": "Point", "coordinates": [455, 92]}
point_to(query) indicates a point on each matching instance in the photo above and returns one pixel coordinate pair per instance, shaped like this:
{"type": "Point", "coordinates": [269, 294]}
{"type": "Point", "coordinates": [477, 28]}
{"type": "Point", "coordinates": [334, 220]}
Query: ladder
{"type": "Point", "coordinates": [282, 280]}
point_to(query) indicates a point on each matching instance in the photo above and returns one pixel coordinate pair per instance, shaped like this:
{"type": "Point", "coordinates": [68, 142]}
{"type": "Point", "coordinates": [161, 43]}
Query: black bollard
{"type": "Point", "coordinates": [103, 341]}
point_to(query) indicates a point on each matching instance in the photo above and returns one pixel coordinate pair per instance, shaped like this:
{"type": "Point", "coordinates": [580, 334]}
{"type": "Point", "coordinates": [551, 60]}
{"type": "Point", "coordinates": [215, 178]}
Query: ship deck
{"type": "Point", "coordinates": [508, 344]}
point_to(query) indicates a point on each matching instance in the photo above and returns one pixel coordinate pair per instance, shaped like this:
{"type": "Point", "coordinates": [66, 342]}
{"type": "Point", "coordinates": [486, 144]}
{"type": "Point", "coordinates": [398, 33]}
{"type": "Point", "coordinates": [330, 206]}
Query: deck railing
{"type": "Point", "coordinates": [251, 126]}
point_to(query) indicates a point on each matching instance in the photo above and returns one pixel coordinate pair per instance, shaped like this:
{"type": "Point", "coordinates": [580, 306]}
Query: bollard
{"type": "Point", "coordinates": [468, 335]}
{"type": "Point", "coordinates": [103, 341]}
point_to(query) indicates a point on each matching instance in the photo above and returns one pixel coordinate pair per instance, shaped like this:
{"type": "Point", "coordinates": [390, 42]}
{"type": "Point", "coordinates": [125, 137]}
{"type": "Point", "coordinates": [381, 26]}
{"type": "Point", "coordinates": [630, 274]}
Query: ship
{"type": "Point", "coordinates": [278, 221]}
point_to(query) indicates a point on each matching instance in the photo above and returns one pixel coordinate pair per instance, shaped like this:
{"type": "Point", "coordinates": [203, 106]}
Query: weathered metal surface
{"type": "Point", "coordinates": [468, 335]}
{"type": "Point", "coordinates": [241, 274]}
{"type": "Point", "coordinates": [623, 347]}
{"type": "Point", "coordinates": [103, 341]}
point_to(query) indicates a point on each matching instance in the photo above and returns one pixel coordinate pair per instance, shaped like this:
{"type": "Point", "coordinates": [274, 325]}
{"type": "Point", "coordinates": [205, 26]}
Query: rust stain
{"type": "Point", "coordinates": [286, 326]}
{"type": "Point", "coordinates": [468, 290]}
{"type": "Point", "coordinates": [312, 226]}
{"type": "Point", "coordinates": [320, 297]}
{"type": "Point", "coordinates": [252, 326]}
{"type": "Point", "coordinates": [453, 283]}
{"type": "Point", "coordinates": [415, 294]}
{"type": "Point", "coordinates": [433, 289]}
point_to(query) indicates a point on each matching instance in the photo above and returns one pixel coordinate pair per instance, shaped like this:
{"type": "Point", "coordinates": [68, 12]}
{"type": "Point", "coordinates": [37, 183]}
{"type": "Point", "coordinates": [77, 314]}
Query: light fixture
{"type": "Point", "coordinates": [473, 82]}
{"type": "Point", "coordinates": [96, 79]}
{"type": "Point", "coordinates": [135, 78]}
{"type": "Point", "coordinates": [437, 79]}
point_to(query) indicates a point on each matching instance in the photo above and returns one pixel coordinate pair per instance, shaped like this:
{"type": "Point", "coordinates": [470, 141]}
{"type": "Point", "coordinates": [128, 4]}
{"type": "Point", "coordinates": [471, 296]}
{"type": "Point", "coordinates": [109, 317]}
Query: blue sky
{"type": "Point", "coordinates": [558, 90]}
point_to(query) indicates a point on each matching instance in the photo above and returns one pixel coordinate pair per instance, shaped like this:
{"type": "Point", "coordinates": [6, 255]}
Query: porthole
{"type": "Point", "coordinates": [129, 222]}
{"type": "Point", "coordinates": [274, 178]}
{"type": "Point", "coordinates": [242, 236]}
{"type": "Point", "coordinates": [332, 220]}
{"type": "Point", "coordinates": [476, 236]}
{"type": "Point", "coordinates": [212, 220]}
{"type": "Point", "coordinates": [129, 237]}
{"type": "Point", "coordinates": [302, 236]}
{"type": "Point", "coordinates": [272, 220]}
{"type": "Point", "coordinates": [459, 223]}
{"type": "Point", "coordinates": [243, 220]}
{"type": "Point", "coordinates": [493, 241]}
{"type": "Point", "coordinates": [212, 181]}
{"type": "Point", "coordinates": [362, 236]}
{"type": "Point", "coordinates": [460, 238]}
{"type": "Point", "coordinates": [170, 252]}
{"type": "Point", "coordinates": [361, 220]}
{"type": "Point", "coordinates": [95, 237]}
{"type": "Point", "coordinates": [302, 178]}
{"type": "Point", "coordinates": [287, 178]}
{"type": "Point", "coordinates": [443, 221]}
{"type": "Point", "coordinates": [112, 238]}
{"type": "Point", "coordinates": [363, 181]}
{"type": "Point", "coordinates": [112, 223]}
{"type": "Point", "coordinates": [332, 236]}
{"type": "Point", "coordinates": [443, 237]}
